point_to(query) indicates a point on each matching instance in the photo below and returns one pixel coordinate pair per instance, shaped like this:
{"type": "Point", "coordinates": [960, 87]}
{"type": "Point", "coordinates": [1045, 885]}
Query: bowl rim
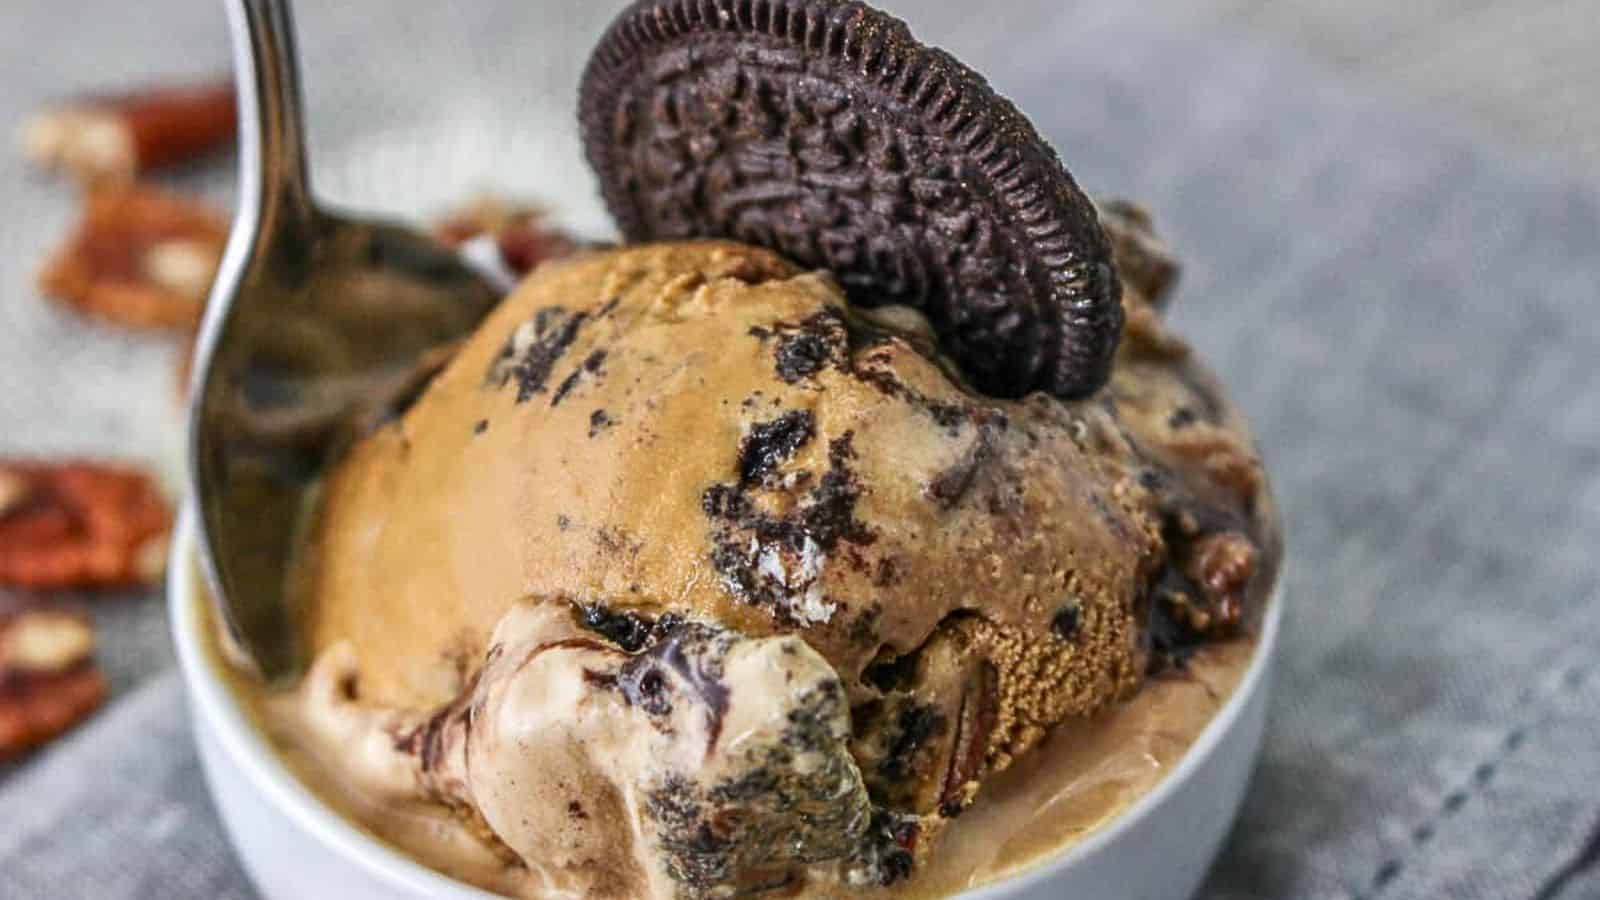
{"type": "Point", "coordinates": [214, 701]}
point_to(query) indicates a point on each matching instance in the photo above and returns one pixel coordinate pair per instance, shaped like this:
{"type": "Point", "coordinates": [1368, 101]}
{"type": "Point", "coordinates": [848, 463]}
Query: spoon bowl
{"type": "Point", "coordinates": [318, 324]}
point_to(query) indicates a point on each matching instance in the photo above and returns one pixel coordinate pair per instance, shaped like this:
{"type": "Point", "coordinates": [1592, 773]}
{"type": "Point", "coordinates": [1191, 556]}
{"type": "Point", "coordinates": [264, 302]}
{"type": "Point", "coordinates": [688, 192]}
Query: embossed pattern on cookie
{"type": "Point", "coordinates": [822, 129]}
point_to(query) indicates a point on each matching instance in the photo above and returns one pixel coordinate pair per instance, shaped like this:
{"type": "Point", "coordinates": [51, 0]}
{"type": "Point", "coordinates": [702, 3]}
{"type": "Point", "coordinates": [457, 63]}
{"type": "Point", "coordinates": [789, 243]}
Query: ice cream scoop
{"type": "Point", "coordinates": [665, 487]}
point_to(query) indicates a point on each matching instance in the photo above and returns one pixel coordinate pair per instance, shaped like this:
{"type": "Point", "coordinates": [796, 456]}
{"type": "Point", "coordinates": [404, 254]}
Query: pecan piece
{"type": "Point", "coordinates": [115, 138]}
{"type": "Point", "coordinates": [1143, 261]}
{"type": "Point", "coordinates": [80, 525]}
{"type": "Point", "coordinates": [48, 679]}
{"type": "Point", "coordinates": [1221, 564]}
{"type": "Point", "coordinates": [522, 236]}
{"type": "Point", "coordinates": [14, 489]}
{"type": "Point", "coordinates": [140, 257]}
{"type": "Point", "coordinates": [975, 724]}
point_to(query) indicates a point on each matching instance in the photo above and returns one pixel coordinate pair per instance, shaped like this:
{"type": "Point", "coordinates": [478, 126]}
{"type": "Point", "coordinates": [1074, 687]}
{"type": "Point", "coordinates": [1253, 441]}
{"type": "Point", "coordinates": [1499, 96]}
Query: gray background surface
{"type": "Point", "coordinates": [1394, 273]}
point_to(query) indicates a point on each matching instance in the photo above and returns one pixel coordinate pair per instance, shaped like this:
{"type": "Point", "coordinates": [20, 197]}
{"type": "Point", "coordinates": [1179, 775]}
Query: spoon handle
{"type": "Point", "coordinates": [275, 228]}
{"type": "Point", "coordinates": [272, 153]}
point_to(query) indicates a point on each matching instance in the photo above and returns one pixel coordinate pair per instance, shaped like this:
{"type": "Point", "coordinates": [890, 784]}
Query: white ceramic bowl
{"type": "Point", "coordinates": [296, 848]}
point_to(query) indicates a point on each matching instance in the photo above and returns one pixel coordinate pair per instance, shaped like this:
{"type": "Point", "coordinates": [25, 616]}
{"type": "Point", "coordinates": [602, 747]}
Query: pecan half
{"type": "Point", "coordinates": [115, 138]}
{"type": "Point", "coordinates": [48, 679]}
{"type": "Point", "coordinates": [80, 525]}
{"type": "Point", "coordinates": [140, 257]}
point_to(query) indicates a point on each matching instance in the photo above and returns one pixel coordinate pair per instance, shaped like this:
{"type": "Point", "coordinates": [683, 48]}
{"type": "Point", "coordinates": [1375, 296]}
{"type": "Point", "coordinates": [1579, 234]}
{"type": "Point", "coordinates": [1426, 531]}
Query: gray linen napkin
{"type": "Point", "coordinates": [1408, 319]}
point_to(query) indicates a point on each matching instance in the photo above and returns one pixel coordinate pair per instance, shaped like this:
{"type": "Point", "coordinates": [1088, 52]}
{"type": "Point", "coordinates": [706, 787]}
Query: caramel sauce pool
{"type": "Point", "coordinates": [1078, 780]}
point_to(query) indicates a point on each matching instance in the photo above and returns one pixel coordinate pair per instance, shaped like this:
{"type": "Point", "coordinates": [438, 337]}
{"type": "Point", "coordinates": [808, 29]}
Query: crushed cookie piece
{"type": "Point", "coordinates": [626, 628]}
{"type": "Point", "coordinates": [768, 445]}
{"type": "Point", "coordinates": [1223, 458]}
{"type": "Point", "coordinates": [1067, 620]}
{"type": "Point", "coordinates": [533, 349]}
{"type": "Point", "coordinates": [806, 348]}
{"type": "Point", "coordinates": [776, 562]}
{"type": "Point", "coordinates": [590, 366]}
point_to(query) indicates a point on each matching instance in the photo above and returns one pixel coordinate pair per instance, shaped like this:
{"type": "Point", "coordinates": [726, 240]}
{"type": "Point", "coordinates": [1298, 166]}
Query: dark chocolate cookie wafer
{"type": "Point", "coordinates": [823, 130]}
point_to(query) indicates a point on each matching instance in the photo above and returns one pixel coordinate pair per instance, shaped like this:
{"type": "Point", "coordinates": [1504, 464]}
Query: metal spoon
{"type": "Point", "coordinates": [316, 321]}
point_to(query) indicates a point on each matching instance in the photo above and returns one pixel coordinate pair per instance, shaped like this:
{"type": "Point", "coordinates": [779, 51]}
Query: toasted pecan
{"type": "Point", "coordinates": [117, 137]}
{"type": "Point", "coordinates": [140, 257]}
{"type": "Point", "coordinates": [48, 679]}
{"type": "Point", "coordinates": [521, 233]}
{"type": "Point", "coordinates": [80, 525]}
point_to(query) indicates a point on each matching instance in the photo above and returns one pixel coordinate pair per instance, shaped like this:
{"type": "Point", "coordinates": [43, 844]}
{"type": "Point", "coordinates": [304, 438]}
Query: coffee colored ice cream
{"type": "Point", "coordinates": [685, 577]}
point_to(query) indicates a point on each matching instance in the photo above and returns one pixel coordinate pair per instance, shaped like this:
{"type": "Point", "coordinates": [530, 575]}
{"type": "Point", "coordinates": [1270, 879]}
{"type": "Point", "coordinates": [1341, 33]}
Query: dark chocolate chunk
{"type": "Point", "coordinates": [823, 130]}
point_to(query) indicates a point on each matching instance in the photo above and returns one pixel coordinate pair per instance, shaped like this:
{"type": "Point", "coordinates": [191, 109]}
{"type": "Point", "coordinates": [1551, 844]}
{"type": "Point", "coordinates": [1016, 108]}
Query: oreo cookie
{"type": "Point", "coordinates": [823, 130]}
